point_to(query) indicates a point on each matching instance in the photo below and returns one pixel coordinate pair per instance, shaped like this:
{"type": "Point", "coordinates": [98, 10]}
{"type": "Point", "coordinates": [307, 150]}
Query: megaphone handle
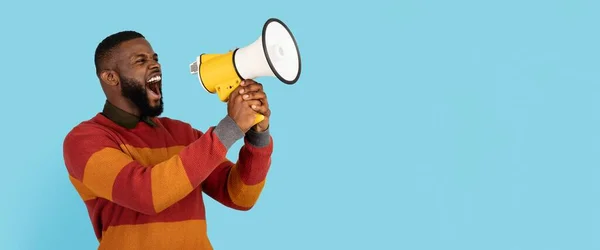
{"type": "Point", "coordinates": [258, 118]}
{"type": "Point", "coordinates": [224, 89]}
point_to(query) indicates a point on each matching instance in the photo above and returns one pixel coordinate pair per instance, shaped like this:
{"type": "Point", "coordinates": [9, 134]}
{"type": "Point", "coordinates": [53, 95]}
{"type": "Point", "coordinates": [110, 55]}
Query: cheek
{"type": "Point", "coordinates": [141, 78]}
{"type": "Point", "coordinates": [137, 78]}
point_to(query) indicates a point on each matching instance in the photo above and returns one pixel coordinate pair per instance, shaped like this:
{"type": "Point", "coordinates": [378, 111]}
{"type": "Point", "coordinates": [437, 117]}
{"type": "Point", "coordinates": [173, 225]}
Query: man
{"type": "Point", "coordinates": [141, 176]}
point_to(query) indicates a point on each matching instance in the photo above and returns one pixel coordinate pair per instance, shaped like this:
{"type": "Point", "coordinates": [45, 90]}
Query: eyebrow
{"type": "Point", "coordinates": [135, 56]}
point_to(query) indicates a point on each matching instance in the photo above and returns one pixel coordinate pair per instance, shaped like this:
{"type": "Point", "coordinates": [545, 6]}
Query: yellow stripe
{"type": "Point", "coordinates": [102, 169]}
{"type": "Point", "coordinates": [164, 235]}
{"type": "Point", "coordinates": [240, 193]}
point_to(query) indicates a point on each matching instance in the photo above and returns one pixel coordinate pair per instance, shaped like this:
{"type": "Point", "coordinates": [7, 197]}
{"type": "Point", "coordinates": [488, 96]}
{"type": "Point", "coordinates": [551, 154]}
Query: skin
{"type": "Point", "coordinates": [252, 94]}
{"type": "Point", "coordinates": [124, 82]}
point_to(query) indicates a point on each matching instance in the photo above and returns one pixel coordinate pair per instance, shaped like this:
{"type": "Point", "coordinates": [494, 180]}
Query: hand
{"type": "Point", "coordinates": [253, 93]}
{"type": "Point", "coordinates": [241, 111]}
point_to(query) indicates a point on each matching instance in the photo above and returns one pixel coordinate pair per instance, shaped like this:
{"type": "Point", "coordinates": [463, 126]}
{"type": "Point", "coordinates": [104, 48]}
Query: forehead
{"type": "Point", "coordinates": [135, 47]}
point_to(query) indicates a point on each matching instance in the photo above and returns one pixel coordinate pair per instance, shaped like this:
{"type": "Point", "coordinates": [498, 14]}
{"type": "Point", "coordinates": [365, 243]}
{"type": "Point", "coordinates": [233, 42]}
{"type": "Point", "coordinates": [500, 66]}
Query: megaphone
{"type": "Point", "coordinates": [275, 53]}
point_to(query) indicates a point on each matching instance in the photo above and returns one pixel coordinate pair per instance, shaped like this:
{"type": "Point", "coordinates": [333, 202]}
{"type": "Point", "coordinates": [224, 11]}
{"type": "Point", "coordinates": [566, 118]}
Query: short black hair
{"type": "Point", "coordinates": [106, 46]}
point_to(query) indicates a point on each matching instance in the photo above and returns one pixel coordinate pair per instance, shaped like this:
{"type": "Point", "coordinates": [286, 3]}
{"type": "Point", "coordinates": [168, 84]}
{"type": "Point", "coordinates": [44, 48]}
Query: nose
{"type": "Point", "coordinates": [154, 65]}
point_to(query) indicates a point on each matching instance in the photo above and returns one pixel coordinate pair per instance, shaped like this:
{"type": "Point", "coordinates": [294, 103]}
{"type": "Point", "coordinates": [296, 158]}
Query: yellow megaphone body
{"type": "Point", "coordinates": [275, 53]}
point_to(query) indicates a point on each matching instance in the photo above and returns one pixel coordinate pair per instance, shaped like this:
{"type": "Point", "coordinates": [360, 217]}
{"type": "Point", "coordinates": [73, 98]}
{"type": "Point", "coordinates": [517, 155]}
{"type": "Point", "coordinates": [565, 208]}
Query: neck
{"type": "Point", "coordinates": [125, 105]}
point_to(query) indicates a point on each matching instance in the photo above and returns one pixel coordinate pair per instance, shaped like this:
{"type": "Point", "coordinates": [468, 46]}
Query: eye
{"type": "Point", "coordinates": [140, 61]}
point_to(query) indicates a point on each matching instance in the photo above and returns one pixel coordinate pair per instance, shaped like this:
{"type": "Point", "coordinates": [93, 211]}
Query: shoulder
{"type": "Point", "coordinates": [88, 141]}
{"type": "Point", "coordinates": [88, 134]}
{"type": "Point", "coordinates": [84, 140]}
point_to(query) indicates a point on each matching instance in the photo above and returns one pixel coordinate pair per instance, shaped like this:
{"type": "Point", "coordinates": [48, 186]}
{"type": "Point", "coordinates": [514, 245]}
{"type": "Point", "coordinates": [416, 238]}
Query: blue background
{"type": "Point", "coordinates": [415, 124]}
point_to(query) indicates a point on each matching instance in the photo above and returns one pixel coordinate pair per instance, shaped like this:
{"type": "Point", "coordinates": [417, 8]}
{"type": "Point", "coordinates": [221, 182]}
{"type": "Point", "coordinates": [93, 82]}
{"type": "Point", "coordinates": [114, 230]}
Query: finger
{"type": "Point", "coordinates": [251, 88]}
{"type": "Point", "coordinates": [253, 104]}
{"type": "Point", "coordinates": [247, 82]}
{"type": "Point", "coordinates": [237, 98]}
{"type": "Point", "coordinates": [254, 96]}
{"type": "Point", "coordinates": [262, 109]}
{"type": "Point", "coordinates": [258, 106]}
{"type": "Point", "coordinates": [263, 103]}
{"type": "Point", "coordinates": [264, 100]}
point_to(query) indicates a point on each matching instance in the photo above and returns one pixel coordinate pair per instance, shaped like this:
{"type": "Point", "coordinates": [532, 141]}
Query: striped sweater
{"type": "Point", "coordinates": [143, 184]}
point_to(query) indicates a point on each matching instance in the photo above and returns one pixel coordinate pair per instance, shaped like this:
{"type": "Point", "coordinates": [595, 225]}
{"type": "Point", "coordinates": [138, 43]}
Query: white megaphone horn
{"type": "Point", "coordinates": [275, 53]}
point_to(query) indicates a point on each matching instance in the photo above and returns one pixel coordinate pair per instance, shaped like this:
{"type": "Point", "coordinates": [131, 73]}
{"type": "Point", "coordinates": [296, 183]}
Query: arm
{"type": "Point", "coordinates": [96, 163]}
{"type": "Point", "coordinates": [239, 185]}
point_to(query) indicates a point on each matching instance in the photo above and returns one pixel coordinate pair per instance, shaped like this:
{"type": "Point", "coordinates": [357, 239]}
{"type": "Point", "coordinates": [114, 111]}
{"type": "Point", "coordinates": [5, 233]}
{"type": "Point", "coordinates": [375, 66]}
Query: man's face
{"type": "Point", "coordinates": [141, 77]}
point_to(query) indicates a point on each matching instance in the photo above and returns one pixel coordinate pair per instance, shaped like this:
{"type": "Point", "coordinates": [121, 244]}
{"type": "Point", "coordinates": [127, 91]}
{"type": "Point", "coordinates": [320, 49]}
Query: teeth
{"type": "Point", "coordinates": [154, 79]}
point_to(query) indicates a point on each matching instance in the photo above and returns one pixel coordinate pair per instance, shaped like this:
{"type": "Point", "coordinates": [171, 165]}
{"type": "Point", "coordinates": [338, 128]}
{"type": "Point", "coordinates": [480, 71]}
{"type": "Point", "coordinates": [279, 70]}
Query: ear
{"type": "Point", "coordinates": [110, 77]}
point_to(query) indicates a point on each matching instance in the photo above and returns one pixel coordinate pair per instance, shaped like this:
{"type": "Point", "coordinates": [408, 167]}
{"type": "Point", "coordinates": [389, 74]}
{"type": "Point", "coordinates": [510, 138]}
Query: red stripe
{"type": "Point", "coordinates": [254, 163]}
{"type": "Point", "coordinates": [94, 212]}
{"type": "Point", "coordinates": [96, 140]}
{"type": "Point", "coordinates": [215, 186]}
{"type": "Point", "coordinates": [190, 207]}
{"type": "Point", "coordinates": [134, 176]}
{"type": "Point", "coordinates": [200, 162]}
{"type": "Point", "coordinates": [180, 131]}
{"type": "Point", "coordinates": [175, 133]}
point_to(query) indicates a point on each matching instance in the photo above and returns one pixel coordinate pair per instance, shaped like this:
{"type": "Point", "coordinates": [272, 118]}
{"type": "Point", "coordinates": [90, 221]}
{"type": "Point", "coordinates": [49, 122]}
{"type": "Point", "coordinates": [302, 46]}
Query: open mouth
{"type": "Point", "coordinates": [153, 85]}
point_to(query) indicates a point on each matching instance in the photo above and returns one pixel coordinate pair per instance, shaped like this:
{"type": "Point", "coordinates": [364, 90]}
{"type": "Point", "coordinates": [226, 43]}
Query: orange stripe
{"type": "Point", "coordinates": [169, 180]}
{"type": "Point", "coordinates": [150, 156]}
{"type": "Point", "coordinates": [189, 234]}
{"type": "Point", "coordinates": [104, 166]}
{"type": "Point", "coordinates": [101, 170]}
{"type": "Point", "coordinates": [82, 190]}
{"type": "Point", "coordinates": [240, 193]}
{"type": "Point", "coordinates": [164, 180]}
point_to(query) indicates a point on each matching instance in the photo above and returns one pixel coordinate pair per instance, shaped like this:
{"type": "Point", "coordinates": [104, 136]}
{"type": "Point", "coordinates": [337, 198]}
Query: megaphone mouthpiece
{"type": "Point", "coordinates": [195, 66]}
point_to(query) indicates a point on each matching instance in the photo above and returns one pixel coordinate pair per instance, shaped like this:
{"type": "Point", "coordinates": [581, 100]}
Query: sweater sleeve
{"type": "Point", "coordinates": [239, 185]}
{"type": "Point", "coordinates": [97, 163]}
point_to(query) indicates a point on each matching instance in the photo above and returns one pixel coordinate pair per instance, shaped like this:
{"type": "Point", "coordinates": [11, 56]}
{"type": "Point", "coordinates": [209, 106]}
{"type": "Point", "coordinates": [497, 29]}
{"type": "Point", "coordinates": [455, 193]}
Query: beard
{"type": "Point", "coordinates": [136, 92]}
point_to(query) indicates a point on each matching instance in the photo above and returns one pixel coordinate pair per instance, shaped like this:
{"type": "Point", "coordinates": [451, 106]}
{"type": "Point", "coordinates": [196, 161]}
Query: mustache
{"type": "Point", "coordinates": [156, 71]}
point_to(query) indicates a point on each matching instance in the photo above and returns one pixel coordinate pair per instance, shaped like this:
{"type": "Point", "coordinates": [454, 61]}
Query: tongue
{"type": "Point", "coordinates": [154, 90]}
